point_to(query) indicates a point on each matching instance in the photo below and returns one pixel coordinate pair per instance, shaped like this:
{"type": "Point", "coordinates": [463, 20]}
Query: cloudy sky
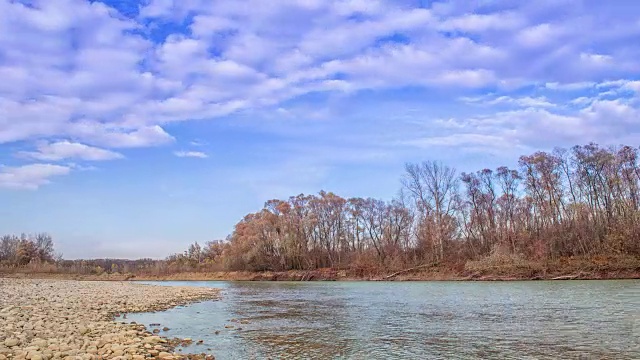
{"type": "Point", "coordinates": [132, 128]}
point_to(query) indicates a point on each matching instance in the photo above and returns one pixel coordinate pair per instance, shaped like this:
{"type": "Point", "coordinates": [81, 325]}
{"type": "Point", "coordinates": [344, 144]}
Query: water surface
{"type": "Point", "coordinates": [411, 320]}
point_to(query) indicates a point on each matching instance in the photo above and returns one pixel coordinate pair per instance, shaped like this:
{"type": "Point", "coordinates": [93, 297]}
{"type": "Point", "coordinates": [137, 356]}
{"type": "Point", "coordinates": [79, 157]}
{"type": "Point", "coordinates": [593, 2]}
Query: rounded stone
{"type": "Point", "coordinates": [11, 342]}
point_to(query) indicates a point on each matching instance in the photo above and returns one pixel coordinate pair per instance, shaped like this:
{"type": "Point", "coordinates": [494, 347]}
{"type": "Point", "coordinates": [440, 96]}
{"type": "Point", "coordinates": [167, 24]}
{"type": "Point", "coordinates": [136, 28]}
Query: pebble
{"type": "Point", "coordinates": [11, 342]}
{"type": "Point", "coordinates": [74, 320]}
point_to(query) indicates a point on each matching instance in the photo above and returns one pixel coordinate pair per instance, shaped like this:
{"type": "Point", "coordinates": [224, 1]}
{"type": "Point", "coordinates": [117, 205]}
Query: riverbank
{"type": "Point", "coordinates": [490, 269]}
{"type": "Point", "coordinates": [62, 319]}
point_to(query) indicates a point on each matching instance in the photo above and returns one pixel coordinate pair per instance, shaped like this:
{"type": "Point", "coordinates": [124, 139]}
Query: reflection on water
{"type": "Point", "coordinates": [412, 320]}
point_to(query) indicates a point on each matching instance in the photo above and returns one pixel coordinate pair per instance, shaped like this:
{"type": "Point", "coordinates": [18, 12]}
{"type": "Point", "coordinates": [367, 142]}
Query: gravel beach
{"type": "Point", "coordinates": [59, 319]}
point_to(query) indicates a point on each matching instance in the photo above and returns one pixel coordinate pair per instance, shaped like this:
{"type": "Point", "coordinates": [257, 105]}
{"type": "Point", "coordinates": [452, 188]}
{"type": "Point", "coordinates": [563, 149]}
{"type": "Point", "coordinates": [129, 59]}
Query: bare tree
{"type": "Point", "coordinates": [434, 187]}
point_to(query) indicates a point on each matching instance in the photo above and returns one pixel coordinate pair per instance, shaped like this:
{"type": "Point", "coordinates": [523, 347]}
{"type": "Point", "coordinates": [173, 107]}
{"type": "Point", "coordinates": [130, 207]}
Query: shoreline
{"type": "Point", "coordinates": [334, 275]}
{"type": "Point", "coordinates": [491, 269]}
{"type": "Point", "coordinates": [320, 276]}
{"type": "Point", "coordinates": [52, 319]}
{"type": "Point", "coordinates": [495, 268]}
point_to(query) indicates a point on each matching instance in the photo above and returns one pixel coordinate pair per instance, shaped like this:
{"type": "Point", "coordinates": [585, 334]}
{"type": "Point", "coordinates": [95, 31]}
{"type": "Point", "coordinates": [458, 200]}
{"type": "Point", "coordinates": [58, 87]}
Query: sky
{"type": "Point", "coordinates": [133, 128]}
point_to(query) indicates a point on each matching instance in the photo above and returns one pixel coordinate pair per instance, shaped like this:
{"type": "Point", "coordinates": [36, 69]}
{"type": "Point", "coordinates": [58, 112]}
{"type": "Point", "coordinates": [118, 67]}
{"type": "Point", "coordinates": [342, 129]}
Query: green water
{"type": "Point", "coordinates": [412, 320]}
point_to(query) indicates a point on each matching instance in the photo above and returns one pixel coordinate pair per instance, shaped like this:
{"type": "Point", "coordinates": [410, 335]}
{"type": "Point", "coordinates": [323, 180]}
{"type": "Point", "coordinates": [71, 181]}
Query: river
{"type": "Point", "coordinates": [411, 320]}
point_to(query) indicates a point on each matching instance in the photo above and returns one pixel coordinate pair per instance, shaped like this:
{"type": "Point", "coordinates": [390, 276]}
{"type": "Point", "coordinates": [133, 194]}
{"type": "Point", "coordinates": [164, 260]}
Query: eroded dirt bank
{"type": "Point", "coordinates": [490, 269]}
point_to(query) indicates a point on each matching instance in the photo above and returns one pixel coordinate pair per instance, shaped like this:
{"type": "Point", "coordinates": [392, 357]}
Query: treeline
{"type": "Point", "coordinates": [582, 202]}
{"type": "Point", "coordinates": [25, 249]}
{"type": "Point", "coordinates": [579, 202]}
{"type": "Point", "coordinates": [111, 266]}
{"type": "Point", "coordinates": [36, 252]}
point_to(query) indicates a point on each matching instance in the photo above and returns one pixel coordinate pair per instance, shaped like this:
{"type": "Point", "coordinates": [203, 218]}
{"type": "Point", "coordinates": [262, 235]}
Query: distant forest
{"type": "Point", "coordinates": [578, 202]}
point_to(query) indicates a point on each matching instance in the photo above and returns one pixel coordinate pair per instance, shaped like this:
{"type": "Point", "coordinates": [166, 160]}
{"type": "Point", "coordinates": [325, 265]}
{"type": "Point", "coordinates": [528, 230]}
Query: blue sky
{"type": "Point", "coordinates": [133, 128]}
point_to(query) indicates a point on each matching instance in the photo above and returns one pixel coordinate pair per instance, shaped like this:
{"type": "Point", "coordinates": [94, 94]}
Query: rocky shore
{"type": "Point", "coordinates": [60, 319]}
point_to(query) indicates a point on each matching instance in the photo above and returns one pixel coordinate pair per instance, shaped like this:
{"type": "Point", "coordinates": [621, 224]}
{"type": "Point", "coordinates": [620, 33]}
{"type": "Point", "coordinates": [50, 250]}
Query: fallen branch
{"type": "Point", "coordinates": [408, 270]}
{"type": "Point", "coordinates": [565, 277]}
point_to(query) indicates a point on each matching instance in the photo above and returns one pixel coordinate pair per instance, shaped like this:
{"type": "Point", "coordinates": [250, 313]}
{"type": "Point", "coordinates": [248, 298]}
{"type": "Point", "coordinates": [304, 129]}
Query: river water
{"type": "Point", "coordinates": [411, 320]}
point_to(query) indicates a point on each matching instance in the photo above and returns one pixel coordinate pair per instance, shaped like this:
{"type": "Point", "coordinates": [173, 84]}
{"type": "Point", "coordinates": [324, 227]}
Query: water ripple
{"type": "Point", "coordinates": [423, 320]}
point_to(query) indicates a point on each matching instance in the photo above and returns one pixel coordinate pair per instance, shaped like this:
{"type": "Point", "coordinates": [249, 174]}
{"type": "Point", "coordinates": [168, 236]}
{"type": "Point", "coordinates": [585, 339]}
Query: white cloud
{"type": "Point", "coordinates": [528, 101]}
{"type": "Point", "coordinates": [570, 86]}
{"type": "Point", "coordinates": [457, 140]}
{"type": "Point", "coordinates": [157, 8]}
{"type": "Point", "coordinates": [192, 154]}
{"type": "Point", "coordinates": [582, 100]}
{"type": "Point", "coordinates": [525, 101]}
{"type": "Point", "coordinates": [81, 71]}
{"type": "Point", "coordinates": [604, 121]}
{"type": "Point", "coordinates": [633, 86]}
{"type": "Point", "coordinates": [116, 137]}
{"type": "Point", "coordinates": [483, 22]}
{"type": "Point", "coordinates": [31, 176]}
{"type": "Point", "coordinates": [78, 167]}
{"type": "Point", "coordinates": [243, 57]}
{"type": "Point", "coordinates": [616, 86]}
{"type": "Point", "coordinates": [68, 150]}
{"type": "Point", "coordinates": [596, 59]}
{"type": "Point", "coordinates": [197, 143]}
{"type": "Point", "coordinates": [351, 37]}
{"type": "Point", "coordinates": [537, 36]}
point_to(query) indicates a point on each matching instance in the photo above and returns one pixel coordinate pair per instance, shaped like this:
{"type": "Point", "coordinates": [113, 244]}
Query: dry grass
{"type": "Point", "coordinates": [503, 264]}
{"type": "Point", "coordinates": [515, 267]}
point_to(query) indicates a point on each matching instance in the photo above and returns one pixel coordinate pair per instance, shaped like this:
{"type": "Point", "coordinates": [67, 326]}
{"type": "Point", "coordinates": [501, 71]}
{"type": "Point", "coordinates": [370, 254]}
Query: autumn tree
{"type": "Point", "coordinates": [433, 187]}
